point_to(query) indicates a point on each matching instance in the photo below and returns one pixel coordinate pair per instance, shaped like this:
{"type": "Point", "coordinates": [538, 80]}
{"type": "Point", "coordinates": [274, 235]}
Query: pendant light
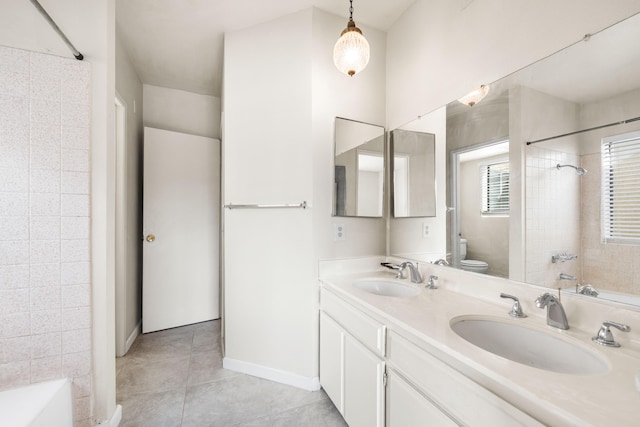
{"type": "Point", "coordinates": [351, 51]}
{"type": "Point", "coordinates": [475, 96]}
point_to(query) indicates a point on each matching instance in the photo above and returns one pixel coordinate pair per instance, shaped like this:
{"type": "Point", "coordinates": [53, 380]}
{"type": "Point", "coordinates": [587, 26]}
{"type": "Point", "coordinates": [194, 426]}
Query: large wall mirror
{"type": "Point", "coordinates": [413, 186]}
{"type": "Point", "coordinates": [358, 169]}
{"type": "Point", "coordinates": [543, 141]}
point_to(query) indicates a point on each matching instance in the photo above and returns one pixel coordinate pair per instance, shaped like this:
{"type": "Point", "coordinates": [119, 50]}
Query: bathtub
{"type": "Point", "coordinates": [38, 405]}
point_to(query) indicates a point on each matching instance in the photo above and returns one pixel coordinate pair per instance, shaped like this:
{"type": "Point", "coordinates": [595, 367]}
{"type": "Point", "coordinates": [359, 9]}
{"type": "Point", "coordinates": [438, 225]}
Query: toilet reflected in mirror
{"type": "Point", "coordinates": [470, 264]}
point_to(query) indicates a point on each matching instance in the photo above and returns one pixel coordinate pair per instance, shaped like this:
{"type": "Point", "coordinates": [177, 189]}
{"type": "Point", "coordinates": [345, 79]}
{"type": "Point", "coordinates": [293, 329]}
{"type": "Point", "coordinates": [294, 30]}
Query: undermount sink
{"type": "Point", "coordinates": [389, 288]}
{"type": "Point", "coordinates": [529, 346]}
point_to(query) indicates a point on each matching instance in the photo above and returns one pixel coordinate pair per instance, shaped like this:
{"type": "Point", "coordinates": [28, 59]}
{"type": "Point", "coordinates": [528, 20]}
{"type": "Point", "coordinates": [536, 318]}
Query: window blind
{"type": "Point", "coordinates": [495, 188]}
{"type": "Point", "coordinates": [621, 188]}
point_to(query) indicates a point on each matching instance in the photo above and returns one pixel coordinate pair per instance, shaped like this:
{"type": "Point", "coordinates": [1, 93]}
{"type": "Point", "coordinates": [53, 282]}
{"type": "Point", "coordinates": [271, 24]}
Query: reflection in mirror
{"type": "Point", "coordinates": [359, 169]}
{"type": "Point", "coordinates": [413, 166]}
{"type": "Point", "coordinates": [556, 215]}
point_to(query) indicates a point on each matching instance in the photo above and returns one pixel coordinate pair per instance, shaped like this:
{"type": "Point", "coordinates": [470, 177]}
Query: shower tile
{"type": "Point", "coordinates": [81, 386]}
{"type": "Point", "coordinates": [14, 228]}
{"type": "Point", "coordinates": [75, 250]}
{"type": "Point", "coordinates": [14, 325]}
{"type": "Point", "coordinates": [75, 137]}
{"type": "Point", "coordinates": [76, 296]}
{"type": "Point", "coordinates": [14, 252]}
{"type": "Point", "coordinates": [75, 115]}
{"type": "Point", "coordinates": [76, 364]}
{"type": "Point", "coordinates": [44, 88]}
{"type": "Point", "coordinates": [74, 205]}
{"type": "Point", "coordinates": [76, 79]}
{"type": "Point", "coordinates": [14, 204]}
{"type": "Point", "coordinates": [45, 181]}
{"type": "Point", "coordinates": [15, 349]}
{"type": "Point", "coordinates": [45, 112]}
{"type": "Point", "coordinates": [75, 227]}
{"type": "Point", "coordinates": [45, 147]}
{"type": "Point", "coordinates": [14, 111]}
{"type": "Point", "coordinates": [14, 301]}
{"type": "Point", "coordinates": [45, 66]}
{"type": "Point", "coordinates": [14, 180]}
{"type": "Point", "coordinates": [44, 275]}
{"type": "Point", "coordinates": [45, 204]}
{"type": "Point", "coordinates": [45, 251]}
{"type": "Point", "coordinates": [76, 318]}
{"type": "Point", "coordinates": [45, 298]}
{"type": "Point", "coordinates": [75, 273]}
{"type": "Point", "coordinates": [14, 82]}
{"type": "Point", "coordinates": [45, 228]}
{"type": "Point", "coordinates": [44, 322]}
{"type": "Point", "coordinates": [75, 183]}
{"type": "Point", "coordinates": [14, 153]}
{"type": "Point", "coordinates": [15, 374]}
{"type": "Point", "coordinates": [46, 345]}
{"type": "Point", "coordinates": [75, 160]}
{"type": "Point", "coordinates": [47, 368]}
{"type": "Point", "coordinates": [82, 408]}
{"type": "Point", "coordinates": [76, 341]}
{"type": "Point", "coordinates": [14, 276]}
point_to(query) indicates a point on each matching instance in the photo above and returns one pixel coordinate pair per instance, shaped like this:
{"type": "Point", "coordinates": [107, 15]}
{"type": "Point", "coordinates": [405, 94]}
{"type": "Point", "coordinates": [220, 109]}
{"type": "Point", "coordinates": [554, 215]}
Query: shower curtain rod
{"type": "Point", "coordinates": [584, 130]}
{"type": "Point", "coordinates": [57, 29]}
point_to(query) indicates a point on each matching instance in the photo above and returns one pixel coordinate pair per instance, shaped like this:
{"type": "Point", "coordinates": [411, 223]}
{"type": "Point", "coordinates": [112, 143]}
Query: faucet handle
{"type": "Point", "coordinates": [516, 310]}
{"type": "Point", "coordinates": [605, 337]}
{"type": "Point", "coordinates": [431, 284]}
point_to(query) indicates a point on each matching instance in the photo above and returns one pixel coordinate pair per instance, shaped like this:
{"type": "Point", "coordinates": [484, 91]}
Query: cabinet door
{"type": "Point", "coordinates": [363, 385]}
{"type": "Point", "coordinates": [408, 408]}
{"type": "Point", "coordinates": [332, 360]}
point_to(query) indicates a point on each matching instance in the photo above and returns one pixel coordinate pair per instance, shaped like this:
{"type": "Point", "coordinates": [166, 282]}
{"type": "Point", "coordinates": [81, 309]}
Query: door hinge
{"type": "Point", "coordinates": [384, 378]}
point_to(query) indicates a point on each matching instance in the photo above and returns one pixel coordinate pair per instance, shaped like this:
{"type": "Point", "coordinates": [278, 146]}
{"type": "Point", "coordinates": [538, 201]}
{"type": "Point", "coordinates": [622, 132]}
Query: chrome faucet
{"type": "Point", "coordinates": [587, 290]}
{"type": "Point", "coordinates": [413, 269]}
{"type": "Point", "coordinates": [556, 316]}
{"type": "Point", "coordinates": [567, 277]}
{"type": "Point", "coordinates": [605, 337]}
{"type": "Point", "coordinates": [441, 261]}
{"type": "Point", "coordinates": [516, 309]}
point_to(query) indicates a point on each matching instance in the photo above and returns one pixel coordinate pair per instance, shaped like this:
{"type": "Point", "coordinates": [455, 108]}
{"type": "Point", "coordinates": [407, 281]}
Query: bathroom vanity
{"type": "Point", "coordinates": [397, 361]}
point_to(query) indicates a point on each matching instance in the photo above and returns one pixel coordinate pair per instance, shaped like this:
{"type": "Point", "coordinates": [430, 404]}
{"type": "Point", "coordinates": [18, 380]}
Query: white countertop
{"type": "Point", "coordinates": [609, 399]}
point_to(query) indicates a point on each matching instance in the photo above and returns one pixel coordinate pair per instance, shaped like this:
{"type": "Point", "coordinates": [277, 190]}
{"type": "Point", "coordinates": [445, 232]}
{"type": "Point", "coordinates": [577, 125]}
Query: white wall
{"type": "Point", "coordinates": [278, 148]}
{"type": "Point", "coordinates": [180, 111]}
{"type": "Point", "coordinates": [440, 50]}
{"type": "Point", "coordinates": [129, 287]}
{"type": "Point", "coordinates": [91, 27]}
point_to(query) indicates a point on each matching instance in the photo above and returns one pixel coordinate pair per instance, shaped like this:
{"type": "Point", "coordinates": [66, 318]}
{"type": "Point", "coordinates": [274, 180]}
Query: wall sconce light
{"type": "Point", "coordinates": [351, 51]}
{"type": "Point", "coordinates": [475, 96]}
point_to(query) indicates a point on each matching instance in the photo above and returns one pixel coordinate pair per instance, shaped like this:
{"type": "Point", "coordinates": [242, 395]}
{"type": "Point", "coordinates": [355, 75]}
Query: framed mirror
{"type": "Point", "coordinates": [359, 165]}
{"type": "Point", "coordinates": [413, 180]}
{"type": "Point", "coordinates": [557, 116]}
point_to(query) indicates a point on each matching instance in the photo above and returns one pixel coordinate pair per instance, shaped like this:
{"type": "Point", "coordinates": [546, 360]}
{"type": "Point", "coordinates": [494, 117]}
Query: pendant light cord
{"type": "Point", "coordinates": [351, 10]}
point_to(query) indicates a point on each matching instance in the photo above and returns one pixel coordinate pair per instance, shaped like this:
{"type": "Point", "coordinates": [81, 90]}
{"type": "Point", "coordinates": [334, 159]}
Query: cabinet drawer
{"type": "Point", "coordinates": [368, 331]}
{"type": "Point", "coordinates": [470, 403]}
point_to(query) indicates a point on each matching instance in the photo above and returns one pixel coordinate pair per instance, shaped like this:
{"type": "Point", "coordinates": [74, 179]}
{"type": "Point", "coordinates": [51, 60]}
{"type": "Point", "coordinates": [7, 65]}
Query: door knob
{"type": "Point", "coordinates": [150, 238]}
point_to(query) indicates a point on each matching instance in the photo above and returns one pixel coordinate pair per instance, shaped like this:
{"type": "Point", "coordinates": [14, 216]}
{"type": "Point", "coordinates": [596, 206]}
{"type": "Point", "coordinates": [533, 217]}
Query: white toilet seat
{"type": "Point", "coordinates": [474, 265]}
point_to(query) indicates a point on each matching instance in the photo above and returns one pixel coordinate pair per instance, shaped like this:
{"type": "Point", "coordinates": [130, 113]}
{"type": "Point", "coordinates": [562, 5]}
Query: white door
{"type": "Point", "coordinates": [181, 217]}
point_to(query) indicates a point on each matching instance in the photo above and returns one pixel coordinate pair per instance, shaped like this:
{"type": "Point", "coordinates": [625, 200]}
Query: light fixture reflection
{"type": "Point", "coordinates": [475, 96]}
{"type": "Point", "coordinates": [351, 51]}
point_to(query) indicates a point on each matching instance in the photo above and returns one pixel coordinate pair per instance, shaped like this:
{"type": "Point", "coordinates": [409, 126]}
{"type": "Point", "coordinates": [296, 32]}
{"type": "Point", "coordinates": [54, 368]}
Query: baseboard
{"type": "Point", "coordinates": [132, 337]}
{"type": "Point", "coordinates": [283, 377]}
{"type": "Point", "coordinates": [115, 419]}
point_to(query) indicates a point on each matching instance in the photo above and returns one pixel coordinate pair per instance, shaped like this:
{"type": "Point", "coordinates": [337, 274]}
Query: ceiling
{"type": "Point", "coordinates": [178, 43]}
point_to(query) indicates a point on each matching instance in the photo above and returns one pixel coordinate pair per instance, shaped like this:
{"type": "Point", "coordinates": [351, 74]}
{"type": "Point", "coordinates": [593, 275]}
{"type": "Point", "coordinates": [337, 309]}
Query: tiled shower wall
{"type": "Point", "coordinates": [45, 292]}
{"type": "Point", "coordinates": [552, 216]}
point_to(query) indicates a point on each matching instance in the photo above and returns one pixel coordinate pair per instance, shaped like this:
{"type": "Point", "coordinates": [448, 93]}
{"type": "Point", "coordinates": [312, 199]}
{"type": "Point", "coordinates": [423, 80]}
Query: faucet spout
{"type": "Point", "coordinates": [415, 273]}
{"type": "Point", "coordinates": [567, 277]}
{"type": "Point", "coordinates": [556, 316]}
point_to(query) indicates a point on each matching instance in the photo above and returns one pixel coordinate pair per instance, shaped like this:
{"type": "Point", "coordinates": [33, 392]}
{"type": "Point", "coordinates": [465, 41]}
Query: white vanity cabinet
{"type": "Point", "coordinates": [424, 386]}
{"type": "Point", "coordinates": [352, 367]}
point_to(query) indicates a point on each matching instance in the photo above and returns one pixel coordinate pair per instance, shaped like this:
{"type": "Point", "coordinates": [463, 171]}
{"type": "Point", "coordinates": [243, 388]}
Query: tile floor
{"type": "Point", "coordinates": [175, 378]}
